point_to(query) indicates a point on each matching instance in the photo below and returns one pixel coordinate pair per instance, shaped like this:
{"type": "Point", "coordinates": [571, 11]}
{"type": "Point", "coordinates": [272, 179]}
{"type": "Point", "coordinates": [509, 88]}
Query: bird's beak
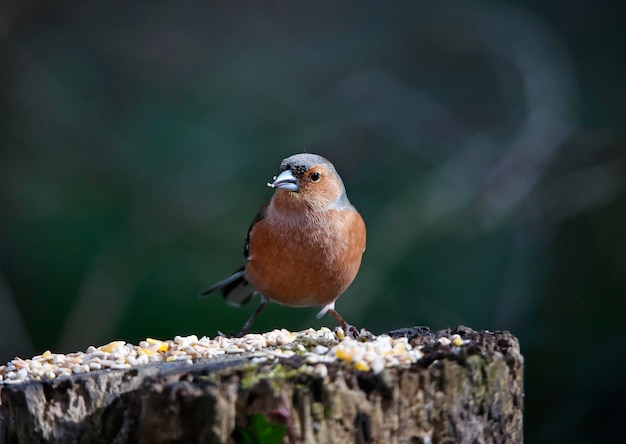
{"type": "Point", "coordinates": [285, 180]}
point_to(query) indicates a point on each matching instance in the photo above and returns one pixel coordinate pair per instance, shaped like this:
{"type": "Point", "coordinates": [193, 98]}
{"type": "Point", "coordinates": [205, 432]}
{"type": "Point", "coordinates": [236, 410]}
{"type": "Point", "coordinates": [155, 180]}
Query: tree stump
{"type": "Point", "coordinates": [468, 392]}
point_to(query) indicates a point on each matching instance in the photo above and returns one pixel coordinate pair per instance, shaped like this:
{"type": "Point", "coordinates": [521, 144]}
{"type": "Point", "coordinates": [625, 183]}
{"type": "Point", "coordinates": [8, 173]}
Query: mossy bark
{"type": "Point", "coordinates": [467, 394]}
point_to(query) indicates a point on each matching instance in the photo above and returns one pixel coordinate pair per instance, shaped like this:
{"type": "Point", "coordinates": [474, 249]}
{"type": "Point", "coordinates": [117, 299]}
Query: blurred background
{"type": "Point", "coordinates": [482, 142]}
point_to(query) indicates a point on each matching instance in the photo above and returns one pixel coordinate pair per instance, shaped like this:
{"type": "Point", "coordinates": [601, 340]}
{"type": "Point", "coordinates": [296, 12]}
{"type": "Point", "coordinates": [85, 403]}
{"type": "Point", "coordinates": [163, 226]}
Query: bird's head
{"type": "Point", "coordinates": [311, 179]}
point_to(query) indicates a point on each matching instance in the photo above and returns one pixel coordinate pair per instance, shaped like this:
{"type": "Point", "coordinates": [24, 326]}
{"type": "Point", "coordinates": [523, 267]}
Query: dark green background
{"type": "Point", "coordinates": [481, 141]}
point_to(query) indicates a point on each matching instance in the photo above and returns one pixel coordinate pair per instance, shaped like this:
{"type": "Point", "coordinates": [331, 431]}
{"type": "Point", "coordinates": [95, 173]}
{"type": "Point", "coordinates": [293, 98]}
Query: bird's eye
{"type": "Point", "coordinates": [315, 176]}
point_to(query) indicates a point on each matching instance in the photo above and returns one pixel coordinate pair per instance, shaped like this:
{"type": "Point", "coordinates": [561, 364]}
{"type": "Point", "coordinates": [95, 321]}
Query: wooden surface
{"type": "Point", "coordinates": [467, 394]}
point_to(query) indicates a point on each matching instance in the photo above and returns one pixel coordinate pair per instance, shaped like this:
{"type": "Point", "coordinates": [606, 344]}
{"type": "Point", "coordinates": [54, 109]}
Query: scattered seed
{"type": "Point", "coordinates": [319, 348]}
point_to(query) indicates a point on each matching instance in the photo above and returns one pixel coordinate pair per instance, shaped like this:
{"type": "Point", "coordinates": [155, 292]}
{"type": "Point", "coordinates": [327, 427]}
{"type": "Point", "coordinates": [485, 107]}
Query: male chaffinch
{"type": "Point", "coordinates": [304, 246]}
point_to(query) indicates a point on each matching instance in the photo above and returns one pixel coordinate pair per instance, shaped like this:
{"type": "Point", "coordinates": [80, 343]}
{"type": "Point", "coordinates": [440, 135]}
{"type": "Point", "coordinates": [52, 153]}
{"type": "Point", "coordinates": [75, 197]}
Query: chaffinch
{"type": "Point", "coordinates": [304, 246]}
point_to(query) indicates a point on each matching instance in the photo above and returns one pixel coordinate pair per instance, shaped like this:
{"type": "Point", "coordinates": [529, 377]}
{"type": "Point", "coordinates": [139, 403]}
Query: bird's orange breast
{"type": "Point", "coordinates": [305, 259]}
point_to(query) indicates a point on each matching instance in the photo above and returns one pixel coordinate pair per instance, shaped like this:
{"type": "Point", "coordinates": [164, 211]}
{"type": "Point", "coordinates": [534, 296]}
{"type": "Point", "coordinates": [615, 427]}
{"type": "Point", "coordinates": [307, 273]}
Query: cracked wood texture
{"type": "Point", "coordinates": [469, 394]}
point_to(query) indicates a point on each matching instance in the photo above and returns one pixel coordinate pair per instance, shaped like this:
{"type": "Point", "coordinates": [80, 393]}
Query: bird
{"type": "Point", "coordinates": [304, 246]}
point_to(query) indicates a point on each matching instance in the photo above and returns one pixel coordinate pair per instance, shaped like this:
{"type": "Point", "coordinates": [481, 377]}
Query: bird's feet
{"type": "Point", "coordinates": [351, 331]}
{"type": "Point", "coordinates": [231, 334]}
{"type": "Point", "coordinates": [348, 329]}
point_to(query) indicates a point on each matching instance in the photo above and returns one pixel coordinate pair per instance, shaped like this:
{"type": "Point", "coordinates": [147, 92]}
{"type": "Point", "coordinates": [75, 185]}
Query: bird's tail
{"type": "Point", "coordinates": [235, 289]}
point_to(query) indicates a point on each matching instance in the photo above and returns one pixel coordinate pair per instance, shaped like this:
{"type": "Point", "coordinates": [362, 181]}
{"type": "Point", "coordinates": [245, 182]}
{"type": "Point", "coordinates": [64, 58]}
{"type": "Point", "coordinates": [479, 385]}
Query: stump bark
{"type": "Point", "coordinates": [467, 394]}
